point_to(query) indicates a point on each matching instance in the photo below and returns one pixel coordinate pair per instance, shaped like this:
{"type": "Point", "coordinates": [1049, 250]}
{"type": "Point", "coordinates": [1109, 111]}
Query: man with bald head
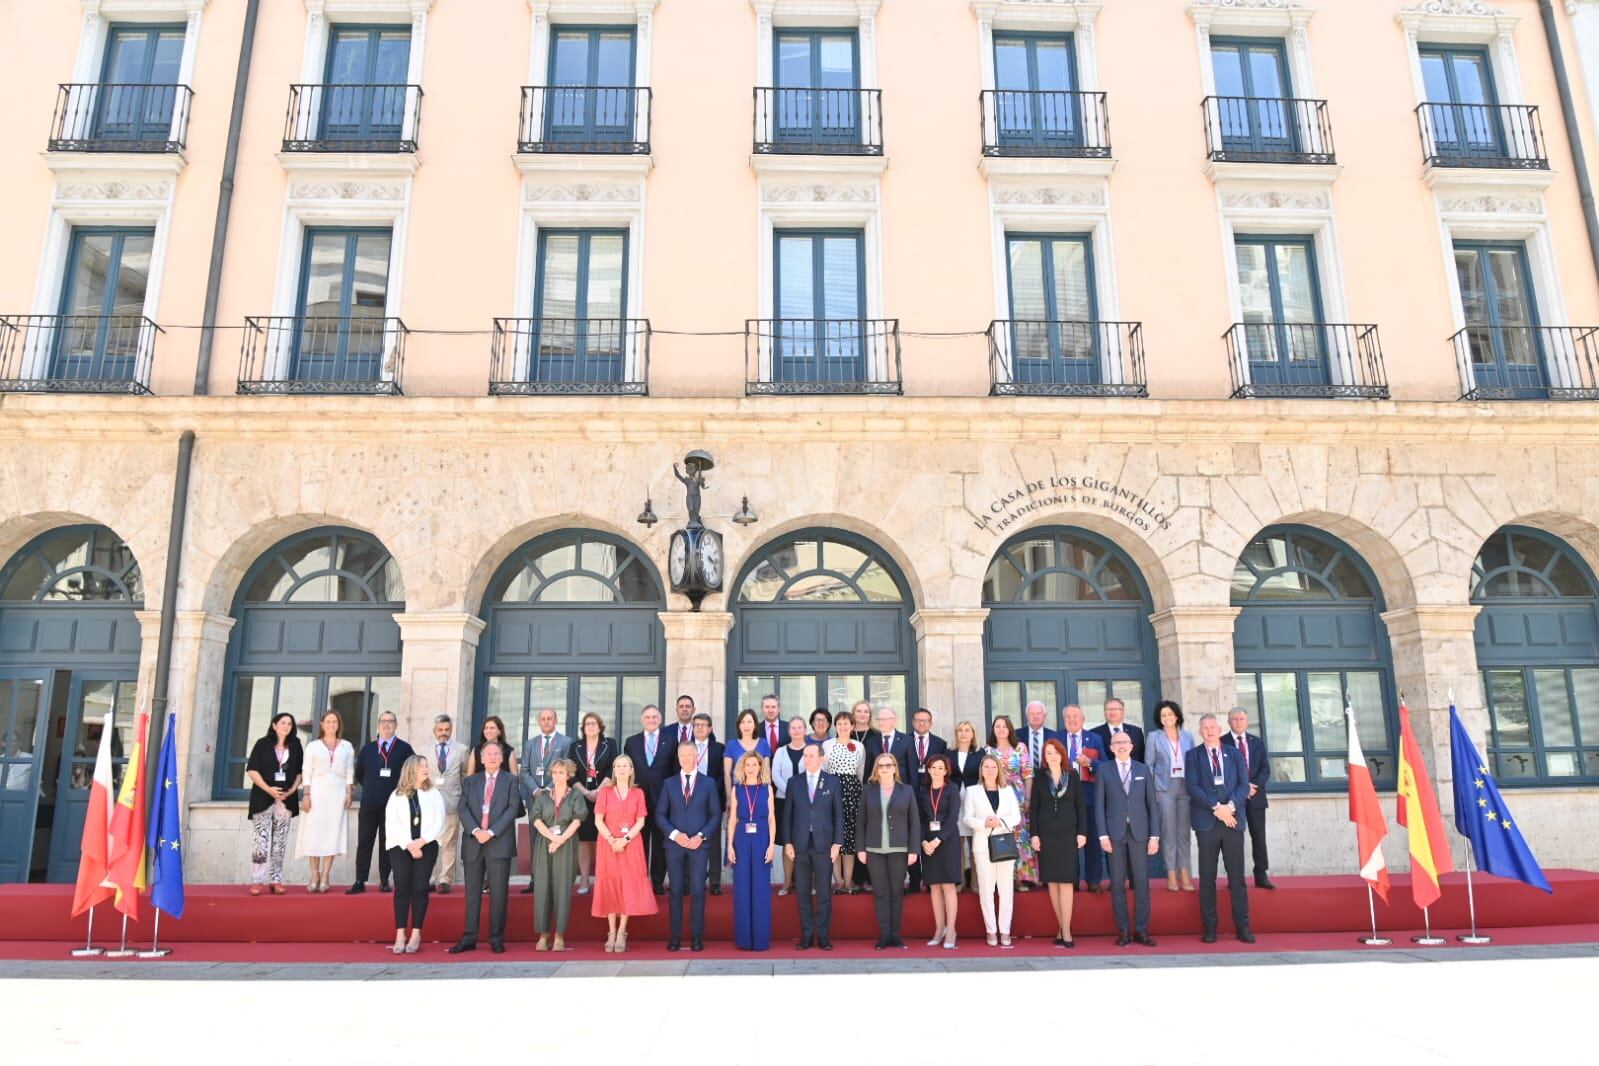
{"type": "Point", "coordinates": [1084, 750]}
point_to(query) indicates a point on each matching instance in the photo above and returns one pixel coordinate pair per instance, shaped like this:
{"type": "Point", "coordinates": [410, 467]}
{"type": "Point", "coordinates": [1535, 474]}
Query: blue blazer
{"type": "Point", "coordinates": [369, 766]}
{"type": "Point", "coordinates": [1097, 751]}
{"type": "Point", "coordinates": [1203, 793]}
{"type": "Point", "coordinates": [650, 775]}
{"type": "Point", "coordinates": [700, 815]}
{"type": "Point", "coordinates": [814, 826]}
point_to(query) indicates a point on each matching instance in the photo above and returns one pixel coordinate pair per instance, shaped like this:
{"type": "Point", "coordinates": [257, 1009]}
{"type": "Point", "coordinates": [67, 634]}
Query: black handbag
{"type": "Point", "coordinates": [1002, 847]}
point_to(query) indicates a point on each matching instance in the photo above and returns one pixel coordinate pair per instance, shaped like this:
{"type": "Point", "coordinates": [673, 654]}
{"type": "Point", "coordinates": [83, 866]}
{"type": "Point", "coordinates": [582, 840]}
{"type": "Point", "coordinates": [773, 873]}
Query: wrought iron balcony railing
{"type": "Point", "coordinates": [570, 357]}
{"type": "Point", "coordinates": [845, 356]}
{"type": "Point", "coordinates": [322, 354]}
{"type": "Point", "coordinates": [94, 117]}
{"type": "Point", "coordinates": [352, 118]}
{"type": "Point", "coordinates": [584, 120]}
{"type": "Point", "coordinates": [1306, 360]}
{"type": "Point", "coordinates": [1044, 122]}
{"type": "Point", "coordinates": [818, 121]}
{"type": "Point", "coordinates": [1066, 358]}
{"type": "Point", "coordinates": [1492, 136]}
{"type": "Point", "coordinates": [76, 353]}
{"type": "Point", "coordinates": [1249, 129]}
{"type": "Point", "coordinates": [1528, 362]}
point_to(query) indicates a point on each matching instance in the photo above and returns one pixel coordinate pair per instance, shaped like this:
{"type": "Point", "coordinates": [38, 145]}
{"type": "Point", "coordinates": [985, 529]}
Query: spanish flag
{"type": "Point", "coordinates": [1418, 813]}
{"type": "Point", "coordinates": [127, 871]}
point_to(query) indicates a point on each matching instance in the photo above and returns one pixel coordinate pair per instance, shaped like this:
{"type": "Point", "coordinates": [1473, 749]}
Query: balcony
{"type": "Point", "coordinates": [1306, 360]}
{"type": "Point", "coordinates": [76, 353]}
{"type": "Point", "coordinates": [352, 118]}
{"type": "Point", "coordinates": [1528, 362]}
{"type": "Point", "coordinates": [818, 121]}
{"type": "Point", "coordinates": [584, 120]}
{"type": "Point", "coordinates": [817, 357]}
{"type": "Point", "coordinates": [323, 355]}
{"type": "Point", "coordinates": [570, 357]}
{"type": "Point", "coordinates": [120, 118]}
{"type": "Point", "coordinates": [1248, 129]}
{"type": "Point", "coordinates": [1066, 358]}
{"type": "Point", "coordinates": [1044, 123]}
{"type": "Point", "coordinates": [1482, 136]}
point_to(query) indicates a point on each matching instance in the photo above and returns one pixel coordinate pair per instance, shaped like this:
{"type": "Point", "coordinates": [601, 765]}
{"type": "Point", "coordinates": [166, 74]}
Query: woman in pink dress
{"type": "Point", "coordinates": [622, 880]}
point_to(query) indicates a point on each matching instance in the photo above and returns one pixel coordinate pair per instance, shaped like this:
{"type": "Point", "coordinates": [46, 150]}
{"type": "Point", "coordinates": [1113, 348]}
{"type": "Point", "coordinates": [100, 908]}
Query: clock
{"type": "Point", "coordinates": [677, 559]}
{"type": "Point", "coordinates": [694, 562]}
{"type": "Point", "coordinates": [710, 559]}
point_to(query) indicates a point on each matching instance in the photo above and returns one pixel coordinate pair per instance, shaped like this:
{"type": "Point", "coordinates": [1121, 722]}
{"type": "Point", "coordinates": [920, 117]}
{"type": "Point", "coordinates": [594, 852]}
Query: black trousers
{"type": "Point", "coordinates": [1093, 864]}
{"type": "Point", "coordinates": [498, 873]}
{"type": "Point", "coordinates": [413, 883]}
{"type": "Point", "coordinates": [1218, 840]}
{"type": "Point", "coordinates": [1255, 818]}
{"type": "Point", "coordinates": [369, 828]}
{"type": "Point", "coordinates": [714, 848]}
{"type": "Point", "coordinates": [687, 868]}
{"type": "Point", "coordinates": [813, 888]}
{"type": "Point", "coordinates": [888, 891]}
{"type": "Point", "coordinates": [1129, 859]}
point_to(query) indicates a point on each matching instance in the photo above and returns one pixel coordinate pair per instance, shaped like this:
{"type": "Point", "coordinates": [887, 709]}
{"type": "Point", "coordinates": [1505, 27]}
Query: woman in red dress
{"type": "Point", "coordinates": [622, 880]}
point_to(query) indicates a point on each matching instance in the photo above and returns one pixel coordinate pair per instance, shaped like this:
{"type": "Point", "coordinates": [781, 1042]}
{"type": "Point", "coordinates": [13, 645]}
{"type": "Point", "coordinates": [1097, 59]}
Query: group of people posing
{"type": "Point", "coordinates": [841, 803]}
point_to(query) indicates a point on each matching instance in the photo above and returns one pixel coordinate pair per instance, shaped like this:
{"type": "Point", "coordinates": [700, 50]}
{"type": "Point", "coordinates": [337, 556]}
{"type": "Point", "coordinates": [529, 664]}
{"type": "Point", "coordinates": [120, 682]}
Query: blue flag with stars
{"type": "Point", "coordinates": [166, 829]}
{"type": "Point", "coordinates": [1482, 817]}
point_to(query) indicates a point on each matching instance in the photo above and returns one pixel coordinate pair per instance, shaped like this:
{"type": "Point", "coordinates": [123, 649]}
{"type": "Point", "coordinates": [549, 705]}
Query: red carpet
{"type": "Point", "coordinates": [1302, 907]}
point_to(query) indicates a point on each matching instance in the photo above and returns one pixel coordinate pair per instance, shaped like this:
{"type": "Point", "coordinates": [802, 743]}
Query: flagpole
{"type": "Point", "coordinates": [1373, 941]}
{"type": "Point", "coordinates": [1471, 900]}
{"type": "Point", "coordinates": [88, 948]}
{"type": "Point", "coordinates": [1428, 940]}
{"type": "Point", "coordinates": [124, 951]}
{"type": "Point", "coordinates": [156, 950]}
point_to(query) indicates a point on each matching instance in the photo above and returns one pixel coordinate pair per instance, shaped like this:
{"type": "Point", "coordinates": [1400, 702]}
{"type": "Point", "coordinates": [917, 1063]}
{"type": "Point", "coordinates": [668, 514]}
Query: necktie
{"type": "Point", "coordinates": [1215, 761]}
{"type": "Point", "coordinates": [812, 781]}
{"type": "Point", "coordinates": [488, 798]}
{"type": "Point", "coordinates": [688, 787]}
{"type": "Point", "coordinates": [1127, 782]}
{"type": "Point", "coordinates": [771, 735]}
{"type": "Point", "coordinates": [441, 758]}
{"type": "Point", "coordinates": [921, 748]}
{"type": "Point", "coordinates": [682, 733]}
{"type": "Point", "coordinates": [649, 747]}
{"type": "Point", "coordinates": [1033, 748]}
{"type": "Point", "coordinates": [1243, 749]}
{"type": "Point", "coordinates": [1073, 739]}
{"type": "Point", "coordinates": [544, 753]}
{"type": "Point", "coordinates": [384, 746]}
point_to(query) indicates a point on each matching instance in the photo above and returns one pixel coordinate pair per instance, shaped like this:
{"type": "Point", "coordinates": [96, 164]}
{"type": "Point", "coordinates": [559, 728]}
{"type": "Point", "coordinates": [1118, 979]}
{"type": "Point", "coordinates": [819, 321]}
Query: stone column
{"type": "Point", "coordinates": [696, 662]}
{"type": "Point", "coordinates": [1195, 649]}
{"type": "Point", "coordinates": [1435, 654]}
{"type": "Point", "coordinates": [438, 653]}
{"type": "Point", "coordinates": [951, 665]}
{"type": "Point", "coordinates": [215, 833]}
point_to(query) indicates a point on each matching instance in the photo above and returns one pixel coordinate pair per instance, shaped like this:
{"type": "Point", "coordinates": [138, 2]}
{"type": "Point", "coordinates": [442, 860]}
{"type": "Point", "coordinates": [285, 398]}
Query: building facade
{"type": "Point", "coordinates": [1265, 381]}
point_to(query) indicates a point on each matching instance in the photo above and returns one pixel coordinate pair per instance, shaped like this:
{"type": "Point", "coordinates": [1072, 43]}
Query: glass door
{"type": "Point", "coordinates": [617, 698]}
{"type": "Point", "coordinates": [90, 697]}
{"type": "Point", "coordinates": [1010, 691]}
{"type": "Point", "coordinates": [1461, 102]}
{"type": "Point", "coordinates": [1252, 80]}
{"type": "Point", "coordinates": [1280, 295]}
{"type": "Point", "coordinates": [23, 699]}
{"type": "Point", "coordinates": [1053, 312]}
{"type": "Point", "coordinates": [343, 301]}
{"type": "Point", "coordinates": [803, 693]}
{"type": "Point", "coordinates": [815, 92]}
{"type": "Point", "coordinates": [363, 99]}
{"type": "Point", "coordinates": [820, 278]}
{"type": "Point", "coordinates": [1035, 78]}
{"type": "Point", "coordinates": [102, 303]}
{"type": "Point", "coordinates": [1501, 317]}
{"type": "Point", "coordinates": [591, 79]}
{"type": "Point", "coordinates": [580, 306]}
{"type": "Point", "coordinates": [136, 94]}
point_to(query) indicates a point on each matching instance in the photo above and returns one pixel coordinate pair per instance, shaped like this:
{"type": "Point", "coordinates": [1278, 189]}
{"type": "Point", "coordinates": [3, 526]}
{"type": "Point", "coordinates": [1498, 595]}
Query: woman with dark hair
{"type": "Point", "coordinates": [493, 732]}
{"type": "Point", "coordinates": [746, 738]}
{"type": "Point", "coordinates": [1018, 766]}
{"type": "Point", "coordinates": [821, 726]}
{"type": "Point", "coordinates": [940, 804]}
{"type": "Point", "coordinates": [1058, 821]}
{"type": "Point", "coordinates": [274, 769]}
{"type": "Point", "coordinates": [594, 753]}
{"type": "Point", "coordinates": [1167, 751]}
{"type": "Point", "coordinates": [846, 759]}
{"type": "Point", "coordinates": [888, 834]}
{"type": "Point", "coordinates": [329, 777]}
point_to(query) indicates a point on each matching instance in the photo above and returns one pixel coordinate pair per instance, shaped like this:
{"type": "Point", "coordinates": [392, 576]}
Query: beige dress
{"type": "Point", "coordinates": [322, 832]}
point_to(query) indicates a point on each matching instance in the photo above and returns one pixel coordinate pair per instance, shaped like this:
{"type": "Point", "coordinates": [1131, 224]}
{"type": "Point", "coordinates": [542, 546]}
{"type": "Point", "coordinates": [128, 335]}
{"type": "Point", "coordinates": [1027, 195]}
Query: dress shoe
{"type": "Point", "coordinates": [897, 943]}
{"type": "Point", "coordinates": [1144, 939]}
{"type": "Point", "coordinates": [355, 889]}
{"type": "Point", "coordinates": [804, 944]}
{"type": "Point", "coordinates": [1262, 881]}
{"type": "Point", "coordinates": [880, 945]}
{"type": "Point", "coordinates": [716, 890]}
{"type": "Point", "coordinates": [1122, 939]}
{"type": "Point", "coordinates": [456, 949]}
{"type": "Point", "coordinates": [498, 949]}
{"type": "Point", "coordinates": [528, 891]}
{"type": "Point", "coordinates": [660, 890]}
{"type": "Point", "coordinates": [1246, 936]}
{"type": "Point", "coordinates": [1060, 941]}
{"type": "Point", "coordinates": [696, 944]}
{"type": "Point", "coordinates": [1095, 889]}
{"type": "Point", "coordinates": [1209, 937]}
{"type": "Point", "coordinates": [672, 945]}
{"type": "Point", "coordinates": [383, 886]}
{"type": "Point", "coordinates": [445, 888]}
{"type": "Point", "coordinates": [825, 944]}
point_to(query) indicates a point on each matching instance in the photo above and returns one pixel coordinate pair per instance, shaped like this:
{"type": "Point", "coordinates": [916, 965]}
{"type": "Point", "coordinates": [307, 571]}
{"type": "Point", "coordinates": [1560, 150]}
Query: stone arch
{"type": "Point", "coordinates": [744, 544]}
{"type": "Point", "coordinates": [1150, 561]}
{"type": "Point", "coordinates": [1393, 571]}
{"type": "Point", "coordinates": [18, 532]}
{"type": "Point", "coordinates": [224, 573]}
{"type": "Point", "coordinates": [652, 546]}
{"type": "Point", "coordinates": [1580, 534]}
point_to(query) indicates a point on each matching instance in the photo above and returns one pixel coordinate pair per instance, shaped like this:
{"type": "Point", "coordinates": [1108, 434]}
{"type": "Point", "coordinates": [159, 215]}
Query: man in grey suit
{"type": "Point", "coordinates": [490, 806]}
{"type": "Point", "coordinates": [1128, 813]}
{"type": "Point", "coordinates": [448, 758]}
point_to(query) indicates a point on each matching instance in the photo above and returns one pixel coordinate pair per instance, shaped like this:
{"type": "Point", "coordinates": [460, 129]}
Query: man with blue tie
{"type": "Point", "coordinates": [814, 812]}
{"type": "Point", "coordinates": [1129, 832]}
{"type": "Point", "coordinates": [653, 756]}
{"type": "Point", "coordinates": [688, 813]}
{"type": "Point", "coordinates": [1218, 788]}
{"type": "Point", "coordinates": [1083, 751]}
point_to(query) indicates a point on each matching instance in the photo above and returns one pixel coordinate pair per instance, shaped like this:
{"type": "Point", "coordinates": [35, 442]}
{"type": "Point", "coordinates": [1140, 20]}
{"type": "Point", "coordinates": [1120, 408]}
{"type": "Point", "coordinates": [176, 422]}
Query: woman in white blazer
{"type": "Point", "coordinates": [412, 822]}
{"type": "Point", "coordinates": [988, 809]}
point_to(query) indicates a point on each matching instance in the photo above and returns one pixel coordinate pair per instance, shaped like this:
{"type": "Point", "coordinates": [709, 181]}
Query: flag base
{"type": "Point", "coordinates": [155, 953]}
{"type": "Point", "coordinates": [1474, 939]}
{"type": "Point", "coordinates": [1428, 941]}
{"type": "Point", "coordinates": [121, 953]}
{"type": "Point", "coordinates": [1375, 941]}
{"type": "Point", "coordinates": [84, 953]}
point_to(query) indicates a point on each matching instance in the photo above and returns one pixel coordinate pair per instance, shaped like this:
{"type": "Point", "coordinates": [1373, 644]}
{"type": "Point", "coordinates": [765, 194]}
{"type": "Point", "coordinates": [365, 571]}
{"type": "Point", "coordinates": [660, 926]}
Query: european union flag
{"type": "Point", "coordinates": [166, 829]}
{"type": "Point", "coordinates": [1482, 817]}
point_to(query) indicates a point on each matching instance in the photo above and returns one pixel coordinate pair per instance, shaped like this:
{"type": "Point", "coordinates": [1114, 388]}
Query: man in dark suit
{"type": "Point", "coordinates": [1036, 733]}
{"type": "Point", "coordinates": [491, 802]}
{"type": "Point", "coordinates": [1129, 832]}
{"type": "Point", "coordinates": [377, 772]}
{"type": "Point", "coordinates": [689, 814]}
{"type": "Point", "coordinates": [653, 754]}
{"type": "Point", "coordinates": [1217, 792]}
{"type": "Point", "coordinates": [773, 729]}
{"type": "Point", "coordinates": [1116, 722]}
{"type": "Point", "coordinates": [814, 812]}
{"type": "Point", "coordinates": [1084, 749]}
{"type": "Point", "coordinates": [923, 746]}
{"type": "Point", "coordinates": [887, 737]}
{"type": "Point", "coordinates": [1257, 770]}
{"type": "Point", "coordinates": [708, 753]}
{"type": "Point", "coordinates": [682, 730]}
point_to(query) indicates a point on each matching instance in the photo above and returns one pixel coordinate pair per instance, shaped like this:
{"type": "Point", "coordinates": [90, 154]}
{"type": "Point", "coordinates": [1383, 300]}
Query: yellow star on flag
{"type": "Point", "coordinates": [1505, 823]}
{"type": "Point", "coordinates": [1482, 803]}
{"type": "Point", "coordinates": [1478, 782]}
{"type": "Point", "coordinates": [1492, 816]}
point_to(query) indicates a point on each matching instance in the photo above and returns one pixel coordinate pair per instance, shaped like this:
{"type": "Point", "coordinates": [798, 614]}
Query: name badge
{"type": "Point", "coordinates": [1177, 771]}
{"type": "Point", "coordinates": [280, 776]}
{"type": "Point", "coordinates": [385, 772]}
{"type": "Point", "coordinates": [749, 827]}
{"type": "Point", "coordinates": [935, 826]}
{"type": "Point", "coordinates": [1219, 781]}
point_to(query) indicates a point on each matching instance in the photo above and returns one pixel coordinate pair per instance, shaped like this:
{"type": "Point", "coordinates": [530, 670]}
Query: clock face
{"type": "Point", "coordinates": [678, 561]}
{"type": "Point", "coordinates": [710, 554]}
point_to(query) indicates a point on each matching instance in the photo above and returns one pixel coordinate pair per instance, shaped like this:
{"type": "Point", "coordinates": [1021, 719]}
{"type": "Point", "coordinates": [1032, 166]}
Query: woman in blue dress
{"type": "Point", "coordinates": [751, 831]}
{"type": "Point", "coordinates": [746, 738]}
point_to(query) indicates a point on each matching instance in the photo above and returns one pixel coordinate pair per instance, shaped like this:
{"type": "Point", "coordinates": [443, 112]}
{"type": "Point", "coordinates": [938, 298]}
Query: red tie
{"type": "Point", "coordinates": [688, 789]}
{"type": "Point", "coordinates": [1243, 749]}
{"type": "Point", "coordinates": [771, 735]}
{"type": "Point", "coordinates": [921, 749]}
{"type": "Point", "coordinates": [1215, 761]}
{"type": "Point", "coordinates": [488, 798]}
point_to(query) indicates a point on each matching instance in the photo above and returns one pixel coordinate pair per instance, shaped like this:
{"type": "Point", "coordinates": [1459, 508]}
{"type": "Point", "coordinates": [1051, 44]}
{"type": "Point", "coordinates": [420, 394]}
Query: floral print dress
{"type": "Point", "coordinates": [1018, 771]}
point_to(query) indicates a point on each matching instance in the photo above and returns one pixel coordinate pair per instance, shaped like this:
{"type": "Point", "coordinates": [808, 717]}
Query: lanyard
{"type": "Point", "coordinates": [749, 800]}
{"type": "Point", "coordinates": [383, 750]}
{"type": "Point", "coordinates": [936, 794]}
{"type": "Point", "coordinates": [283, 756]}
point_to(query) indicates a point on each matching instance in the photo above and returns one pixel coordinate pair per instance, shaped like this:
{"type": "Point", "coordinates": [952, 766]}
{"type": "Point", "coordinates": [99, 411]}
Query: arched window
{"type": "Point", "coordinates": [572, 625]}
{"type": "Point", "coordinates": [1307, 640]}
{"type": "Point", "coordinates": [1068, 622]}
{"type": "Point", "coordinates": [1538, 648]}
{"type": "Point", "coordinates": [77, 564]}
{"type": "Point", "coordinates": [821, 618]}
{"type": "Point", "coordinates": [315, 631]}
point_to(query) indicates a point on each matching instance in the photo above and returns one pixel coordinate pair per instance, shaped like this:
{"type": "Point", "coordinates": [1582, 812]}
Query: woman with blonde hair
{"type": "Point", "coordinates": [751, 836]}
{"type": "Point", "coordinates": [622, 878]}
{"type": "Point", "coordinates": [965, 754]}
{"type": "Point", "coordinates": [413, 819]}
{"type": "Point", "coordinates": [889, 835]}
{"type": "Point", "coordinates": [989, 809]}
{"type": "Point", "coordinates": [555, 814]}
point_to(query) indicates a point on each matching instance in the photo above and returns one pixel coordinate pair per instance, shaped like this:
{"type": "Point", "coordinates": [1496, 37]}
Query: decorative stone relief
{"type": "Point", "coordinates": [348, 190]}
{"type": "Point", "coordinates": [581, 192]}
{"type": "Point", "coordinates": [1450, 7]}
{"type": "Point", "coordinates": [115, 189]}
{"type": "Point", "coordinates": [1298, 200]}
{"type": "Point", "coordinates": [818, 194]}
{"type": "Point", "coordinates": [1488, 204]}
{"type": "Point", "coordinates": [1047, 194]}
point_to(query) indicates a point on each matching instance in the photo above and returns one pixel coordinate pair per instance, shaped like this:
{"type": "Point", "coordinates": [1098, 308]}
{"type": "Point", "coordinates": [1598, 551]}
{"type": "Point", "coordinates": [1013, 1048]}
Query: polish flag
{"type": "Point", "coordinates": [1366, 813]}
{"type": "Point", "coordinates": [93, 889]}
